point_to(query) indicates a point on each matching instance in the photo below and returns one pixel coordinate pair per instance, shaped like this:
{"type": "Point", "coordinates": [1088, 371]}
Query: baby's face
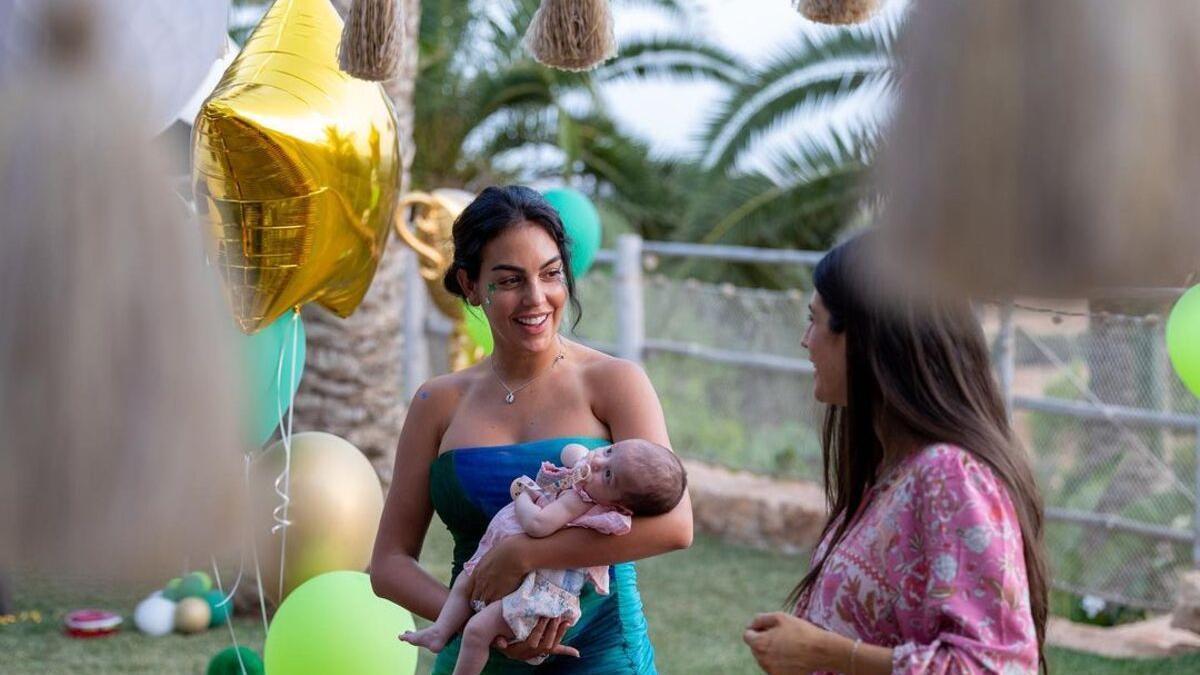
{"type": "Point", "coordinates": [603, 485]}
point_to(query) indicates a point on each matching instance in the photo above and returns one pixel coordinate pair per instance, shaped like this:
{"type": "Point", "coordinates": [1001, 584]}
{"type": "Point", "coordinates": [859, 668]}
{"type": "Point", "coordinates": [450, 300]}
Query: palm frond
{"type": "Point", "coordinates": [813, 75]}
{"type": "Point", "coordinates": [822, 185]}
{"type": "Point", "coordinates": [674, 58]}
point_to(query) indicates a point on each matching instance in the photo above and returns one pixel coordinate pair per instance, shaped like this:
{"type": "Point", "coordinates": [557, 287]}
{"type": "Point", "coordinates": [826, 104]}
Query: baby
{"type": "Point", "coordinates": [598, 489]}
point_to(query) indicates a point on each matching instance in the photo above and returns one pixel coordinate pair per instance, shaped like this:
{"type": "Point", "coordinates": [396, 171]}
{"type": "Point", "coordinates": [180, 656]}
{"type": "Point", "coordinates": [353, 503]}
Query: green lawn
{"type": "Point", "coordinates": [697, 601]}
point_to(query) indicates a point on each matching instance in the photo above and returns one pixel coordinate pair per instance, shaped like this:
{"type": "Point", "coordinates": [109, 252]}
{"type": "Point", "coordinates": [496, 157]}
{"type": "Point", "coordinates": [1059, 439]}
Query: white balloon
{"type": "Point", "coordinates": [161, 49]}
{"type": "Point", "coordinates": [155, 615]}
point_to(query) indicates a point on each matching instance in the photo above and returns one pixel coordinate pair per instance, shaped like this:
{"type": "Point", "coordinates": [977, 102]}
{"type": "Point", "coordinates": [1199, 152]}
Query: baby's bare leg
{"type": "Point", "coordinates": [455, 612]}
{"type": "Point", "coordinates": [481, 631]}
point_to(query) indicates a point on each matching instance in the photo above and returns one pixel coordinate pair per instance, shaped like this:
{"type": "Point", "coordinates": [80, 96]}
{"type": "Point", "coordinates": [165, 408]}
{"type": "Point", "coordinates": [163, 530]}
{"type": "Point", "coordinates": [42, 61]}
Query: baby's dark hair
{"type": "Point", "coordinates": [654, 479]}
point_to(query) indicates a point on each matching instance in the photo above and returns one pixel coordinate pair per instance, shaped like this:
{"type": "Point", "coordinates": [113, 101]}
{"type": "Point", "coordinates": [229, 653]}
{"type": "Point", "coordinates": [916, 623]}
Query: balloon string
{"type": "Point", "coordinates": [283, 480]}
{"type": "Point", "coordinates": [237, 650]}
{"type": "Point", "coordinates": [262, 602]}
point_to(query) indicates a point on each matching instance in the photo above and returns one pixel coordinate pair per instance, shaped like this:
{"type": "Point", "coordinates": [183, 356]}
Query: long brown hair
{"type": "Point", "coordinates": [916, 367]}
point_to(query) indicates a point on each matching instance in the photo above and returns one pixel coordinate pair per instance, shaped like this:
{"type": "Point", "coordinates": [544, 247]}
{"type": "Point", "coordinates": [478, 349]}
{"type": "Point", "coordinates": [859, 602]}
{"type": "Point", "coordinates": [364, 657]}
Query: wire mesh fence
{"type": "Point", "coordinates": [1111, 430]}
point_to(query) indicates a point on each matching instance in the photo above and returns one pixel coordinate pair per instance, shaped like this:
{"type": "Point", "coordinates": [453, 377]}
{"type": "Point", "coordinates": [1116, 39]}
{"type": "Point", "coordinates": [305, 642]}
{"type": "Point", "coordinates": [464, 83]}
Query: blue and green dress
{"type": "Point", "coordinates": [468, 486]}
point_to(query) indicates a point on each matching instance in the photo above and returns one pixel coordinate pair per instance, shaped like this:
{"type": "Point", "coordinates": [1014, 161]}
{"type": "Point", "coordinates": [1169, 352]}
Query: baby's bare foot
{"type": "Point", "coordinates": [430, 638]}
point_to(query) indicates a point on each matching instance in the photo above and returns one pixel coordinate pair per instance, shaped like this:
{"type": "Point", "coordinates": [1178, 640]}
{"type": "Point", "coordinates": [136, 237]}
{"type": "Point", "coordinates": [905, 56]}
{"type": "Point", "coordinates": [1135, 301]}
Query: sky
{"type": "Point", "coordinates": [669, 114]}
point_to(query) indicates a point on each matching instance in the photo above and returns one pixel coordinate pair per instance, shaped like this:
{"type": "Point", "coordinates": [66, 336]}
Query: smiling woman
{"type": "Point", "coordinates": [469, 434]}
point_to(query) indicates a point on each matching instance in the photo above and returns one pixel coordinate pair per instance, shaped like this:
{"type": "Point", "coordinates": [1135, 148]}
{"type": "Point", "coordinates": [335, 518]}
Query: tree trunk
{"type": "Point", "coordinates": [352, 377]}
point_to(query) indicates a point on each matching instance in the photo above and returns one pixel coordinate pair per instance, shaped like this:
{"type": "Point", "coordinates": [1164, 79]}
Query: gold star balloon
{"type": "Point", "coordinates": [296, 170]}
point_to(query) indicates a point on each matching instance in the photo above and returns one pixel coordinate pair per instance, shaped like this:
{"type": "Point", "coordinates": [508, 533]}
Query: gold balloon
{"type": "Point", "coordinates": [296, 170]}
{"type": "Point", "coordinates": [428, 231]}
{"type": "Point", "coordinates": [192, 615]}
{"type": "Point", "coordinates": [334, 508]}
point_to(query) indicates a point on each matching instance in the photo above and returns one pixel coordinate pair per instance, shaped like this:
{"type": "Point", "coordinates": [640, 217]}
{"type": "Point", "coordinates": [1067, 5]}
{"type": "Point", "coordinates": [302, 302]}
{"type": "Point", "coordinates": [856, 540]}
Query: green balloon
{"type": "Point", "coordinates": [334, 623]}
{"type": "Point", "coordinates": [172, 591]}
{"type": "Point", "coordinates": [1183, 339]}
{"type": "Point", "coordinates": [221, 609]}
{"type": "Point", "coordinates": [478, 329]}
{"type": "Point", "coordinates": [261, 358]}
{"type": "Point", "coordinates": [582, 223]}
{"type": "Point", "coordinates": [195, 585]}
{"type": "Point", "coordinates": [226, 662]}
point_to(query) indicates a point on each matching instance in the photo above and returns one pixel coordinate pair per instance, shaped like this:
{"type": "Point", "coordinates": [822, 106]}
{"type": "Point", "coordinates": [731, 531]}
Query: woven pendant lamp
{"type": "Point", "coordinates": [370, 47]}
{"type": "Point", "coordinates": [573, 35]}
{"type": "Point", "coordinates": [838, 11]}
{"type": "Point", "coordinates": [1045, 148]}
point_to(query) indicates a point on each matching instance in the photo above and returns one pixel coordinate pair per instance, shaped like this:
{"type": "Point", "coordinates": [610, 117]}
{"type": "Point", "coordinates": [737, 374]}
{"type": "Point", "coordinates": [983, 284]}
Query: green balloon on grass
{"type": "Point", "coordinates": [582, 223]}
{"type": "Point", "coordinates": [270, 390]}
{"type": "Point", "coordinates": [478, 329]}
{"type": "Point", "coordinates": [221, 608]}
{"type": "Point", "coordinates": [334, 623]}
{"type": "Point", "coordinates": [1183, 339]}
{"type": "Point", "coordinates": [226, 662]}
{"type": "Point", "coordinates": [195, 585]}
{"type": "Point", "coordinates": [172, 591]}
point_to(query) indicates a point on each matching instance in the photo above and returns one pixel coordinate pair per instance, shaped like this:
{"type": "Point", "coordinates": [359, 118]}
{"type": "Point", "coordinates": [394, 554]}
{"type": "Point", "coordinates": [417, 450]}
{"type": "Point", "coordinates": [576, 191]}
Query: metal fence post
{"type": "Point", "coordinates": [416, 307]}
{"type": "Point", "coordinates": [628, 299]}
{"type": "Point", "coordinates": [1006, 357]}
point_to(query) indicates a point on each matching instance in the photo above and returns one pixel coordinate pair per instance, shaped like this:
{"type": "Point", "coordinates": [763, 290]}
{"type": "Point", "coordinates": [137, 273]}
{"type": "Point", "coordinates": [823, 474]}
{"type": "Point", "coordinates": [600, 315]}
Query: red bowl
{"type": "Point", "coordinates": [89, 623]}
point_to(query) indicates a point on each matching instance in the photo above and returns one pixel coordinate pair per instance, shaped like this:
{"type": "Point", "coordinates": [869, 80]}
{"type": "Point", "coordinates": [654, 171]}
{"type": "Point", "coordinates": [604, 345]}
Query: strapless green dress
{"type": "Point", "coordinates": [468, 486]}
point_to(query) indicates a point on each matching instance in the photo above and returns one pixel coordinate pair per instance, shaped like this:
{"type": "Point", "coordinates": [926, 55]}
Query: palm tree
{"type": "Point", "coordinates": [488, 113]}
{"type": "Point", "coordinates": [800, 192]}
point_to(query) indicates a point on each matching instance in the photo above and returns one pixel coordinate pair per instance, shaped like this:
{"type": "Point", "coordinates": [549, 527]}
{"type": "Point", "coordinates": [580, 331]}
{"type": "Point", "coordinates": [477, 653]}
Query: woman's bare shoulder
{"type": "Point", "coordinates": [442, 394]}
{"type": "Point", "coordinates": [604, 371]}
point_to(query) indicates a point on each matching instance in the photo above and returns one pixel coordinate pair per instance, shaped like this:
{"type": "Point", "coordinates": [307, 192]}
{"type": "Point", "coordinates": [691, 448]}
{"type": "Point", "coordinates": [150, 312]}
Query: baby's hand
{"type": "Point", "coordinates": [521, 484]}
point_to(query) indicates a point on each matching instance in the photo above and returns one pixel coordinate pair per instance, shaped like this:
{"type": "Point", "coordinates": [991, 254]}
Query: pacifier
{"type": "Point", "coordinates": [572, 453]}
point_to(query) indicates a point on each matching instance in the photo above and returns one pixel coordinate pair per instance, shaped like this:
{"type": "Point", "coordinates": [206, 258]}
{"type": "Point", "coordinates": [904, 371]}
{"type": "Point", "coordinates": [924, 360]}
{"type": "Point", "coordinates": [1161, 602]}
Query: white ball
{"type": "Point", "coordinates": [155, 616]}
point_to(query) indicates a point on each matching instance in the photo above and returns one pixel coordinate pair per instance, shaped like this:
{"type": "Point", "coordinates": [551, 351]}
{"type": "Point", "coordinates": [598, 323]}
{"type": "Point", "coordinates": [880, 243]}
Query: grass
{"type": "Point", "coordinates": [697, 602]}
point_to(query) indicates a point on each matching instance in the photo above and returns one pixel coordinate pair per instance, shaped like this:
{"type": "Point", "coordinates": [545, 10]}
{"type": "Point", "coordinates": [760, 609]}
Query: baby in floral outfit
{"type": "Point", "coordinates": [599, 489]}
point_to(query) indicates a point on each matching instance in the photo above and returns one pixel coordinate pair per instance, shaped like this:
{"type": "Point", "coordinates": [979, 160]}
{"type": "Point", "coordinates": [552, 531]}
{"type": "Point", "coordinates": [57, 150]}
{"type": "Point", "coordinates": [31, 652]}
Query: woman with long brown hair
{"type": "Point", "coordinates": [932, 559]}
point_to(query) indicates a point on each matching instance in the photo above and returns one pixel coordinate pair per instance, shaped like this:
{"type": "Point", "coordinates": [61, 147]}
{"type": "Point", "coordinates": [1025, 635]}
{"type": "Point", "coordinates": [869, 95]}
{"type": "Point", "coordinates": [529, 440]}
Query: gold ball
{"type": "Point", "coordinates": [192, 615]}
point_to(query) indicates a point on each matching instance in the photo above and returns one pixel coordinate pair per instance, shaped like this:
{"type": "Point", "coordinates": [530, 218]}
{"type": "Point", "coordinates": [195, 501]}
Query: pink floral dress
{"type": "Point", "coordinates": [933, 568]}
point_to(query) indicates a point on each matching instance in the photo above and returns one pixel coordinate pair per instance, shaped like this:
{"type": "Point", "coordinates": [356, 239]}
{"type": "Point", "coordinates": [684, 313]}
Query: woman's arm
{"type": "Point", "coordinates": [624, 399]}
{"type": "Point", "coordinates": [407, 511]}
{"type": "Point", "coordinates": [783, 644]}
{"type": "Point", "coordinates": [543, 522]}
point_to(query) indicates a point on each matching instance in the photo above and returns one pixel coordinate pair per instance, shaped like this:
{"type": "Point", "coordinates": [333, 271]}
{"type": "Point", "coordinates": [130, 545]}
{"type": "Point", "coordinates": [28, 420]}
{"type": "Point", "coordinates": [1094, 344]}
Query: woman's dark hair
{"type": "Point", "coordinates": [917, 366]}
{"type": "Point", "coordinates": [494, 211]}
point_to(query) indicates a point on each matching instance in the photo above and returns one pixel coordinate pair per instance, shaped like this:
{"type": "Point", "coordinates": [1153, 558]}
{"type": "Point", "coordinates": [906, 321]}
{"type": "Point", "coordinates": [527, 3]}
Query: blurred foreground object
{"type": "Point", "coordinates": [160, 49]}
{"type": "Point", "coordinates": [1045, 148]}
{"type": "Point", "coordinates": [333, 510]}
{"type": "Point", "coordinates": [837, 11]}
{"type": "Point", "coordinates": [573, 35]}
{"type": "Point", "coordinates": [118, 399]}
{"type": "Point", "coordinates": [370, 47]}
{"type": "Point", "coordinates": [296, 170]}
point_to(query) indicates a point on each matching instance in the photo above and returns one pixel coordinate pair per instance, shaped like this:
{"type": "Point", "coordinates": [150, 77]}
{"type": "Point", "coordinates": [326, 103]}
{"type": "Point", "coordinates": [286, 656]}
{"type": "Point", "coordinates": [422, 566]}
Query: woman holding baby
{"type": "Point", "coordinates": [470, 434]}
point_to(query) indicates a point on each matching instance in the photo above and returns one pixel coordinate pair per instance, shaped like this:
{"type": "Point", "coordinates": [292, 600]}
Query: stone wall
{"type": "Point", "coordinates": [753, 510]}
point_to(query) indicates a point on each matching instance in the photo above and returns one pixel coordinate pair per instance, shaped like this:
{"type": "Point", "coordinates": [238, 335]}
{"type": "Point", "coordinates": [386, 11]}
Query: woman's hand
{"type": "Point", "coordinates": [499, 572]}
{"type": "Point", "coordinates": [783, 643]}
{"type": "Point", "coordinates": [544, 639]}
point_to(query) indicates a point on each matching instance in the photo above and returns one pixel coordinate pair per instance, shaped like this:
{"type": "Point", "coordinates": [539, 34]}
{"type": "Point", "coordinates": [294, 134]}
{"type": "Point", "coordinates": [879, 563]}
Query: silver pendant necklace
{"type": "Point", "coordinates": [511, 396]}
